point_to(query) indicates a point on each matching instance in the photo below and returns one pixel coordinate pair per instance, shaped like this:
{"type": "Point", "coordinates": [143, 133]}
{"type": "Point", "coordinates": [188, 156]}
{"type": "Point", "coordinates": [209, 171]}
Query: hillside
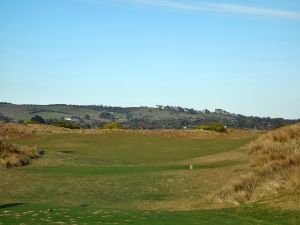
{"type": "Point", "coordinates": [135, 117]}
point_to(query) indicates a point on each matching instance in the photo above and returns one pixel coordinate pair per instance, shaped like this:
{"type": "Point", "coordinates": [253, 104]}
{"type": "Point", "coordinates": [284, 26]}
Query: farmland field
{"type": "Point", "coordinates": [123, 178]}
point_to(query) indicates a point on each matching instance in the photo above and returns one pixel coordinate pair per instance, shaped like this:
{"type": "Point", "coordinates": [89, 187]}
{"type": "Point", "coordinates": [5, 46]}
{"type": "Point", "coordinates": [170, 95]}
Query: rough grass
{"type": "Point", "coordinates": [10, 130]}
{"type": "Point", "coordinates": [15, 156]}
{"type": "Point", "coordinates": [275, 168]}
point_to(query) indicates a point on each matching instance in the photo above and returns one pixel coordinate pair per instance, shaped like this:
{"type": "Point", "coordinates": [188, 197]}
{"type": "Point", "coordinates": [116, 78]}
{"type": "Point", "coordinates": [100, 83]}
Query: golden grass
{"type": "Point", "coordinates": [15, 156]}
{"type": "Point", "coordinates": [275, 168]}
{"type": "Point", "coordinates": [10, 130]}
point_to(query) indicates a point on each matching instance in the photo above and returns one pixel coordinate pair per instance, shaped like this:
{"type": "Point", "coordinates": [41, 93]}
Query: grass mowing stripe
{"type": "Point", "coordinates": [111, 170]}
{"type": "Point", "coordinates": [125, 149]}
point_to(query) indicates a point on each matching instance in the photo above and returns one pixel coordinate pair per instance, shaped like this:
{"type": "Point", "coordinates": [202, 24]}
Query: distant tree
{"type": "Point", "coordinates": [66, 124]}
{"type": "Point", "coordinates": [159, 106]}
{"type": "Point", "coordinates": [180, 109]}
{"type": "Point", "coordinates": [114, 125]}
{"type": "Point", "coordinates": [213, 127]}
{"type": "Point", "coordinates": [50, 121]}
{"type": "Point", "coordinates": [5, 118]}
{"type": "Point", "coordinates": [206, 111]}
{"type": "Point", "coordinates": [192, 111]}
{"type": "Point", "coordinates": [87, 116]}
{"type": "Point", "coordinates": [37, 119]}
{"type": "Point", "coordinates": [106, 115]}
{"type": "Point", "coordinates": [20, 121]}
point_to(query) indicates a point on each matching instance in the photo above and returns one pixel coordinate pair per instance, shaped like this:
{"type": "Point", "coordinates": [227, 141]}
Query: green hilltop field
{"type": "Point", "coordinates": [160, 117]}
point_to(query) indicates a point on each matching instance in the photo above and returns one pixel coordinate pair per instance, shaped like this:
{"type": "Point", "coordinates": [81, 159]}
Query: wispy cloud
{"type": "Point", "coordinates": [217, 8]}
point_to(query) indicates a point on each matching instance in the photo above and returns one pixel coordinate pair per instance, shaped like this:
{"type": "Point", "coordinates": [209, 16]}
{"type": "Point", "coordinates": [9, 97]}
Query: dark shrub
{"type": "Point", "coordinates": [37, 119]}
{"type": "Point", "coordinates": [66, 124]}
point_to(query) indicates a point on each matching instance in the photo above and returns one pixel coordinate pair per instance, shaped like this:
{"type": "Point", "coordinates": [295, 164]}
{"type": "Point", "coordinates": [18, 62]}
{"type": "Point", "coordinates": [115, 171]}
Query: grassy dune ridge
{"type": "Point", "coordinates": [11, 130]}
{"type": "Point", "coordinates": [275, 168]}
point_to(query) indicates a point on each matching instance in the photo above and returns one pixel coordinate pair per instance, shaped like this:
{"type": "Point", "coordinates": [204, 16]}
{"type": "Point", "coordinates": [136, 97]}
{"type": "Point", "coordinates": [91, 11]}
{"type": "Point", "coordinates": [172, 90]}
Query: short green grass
{"type": "Point", "coordinates": [39, 214]}
{"type": "Point", "coordinates": [118, 178]}
{"type": "Point", "coordinates": [117, 170]}
{"type": "Point", "coordinates": [108, 149]}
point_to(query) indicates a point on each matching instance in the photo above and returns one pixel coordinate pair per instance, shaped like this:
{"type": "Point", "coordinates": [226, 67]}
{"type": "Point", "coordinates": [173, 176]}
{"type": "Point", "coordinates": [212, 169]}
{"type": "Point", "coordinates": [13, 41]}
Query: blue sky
{"type": "Point", "coordinates": [242, 56]}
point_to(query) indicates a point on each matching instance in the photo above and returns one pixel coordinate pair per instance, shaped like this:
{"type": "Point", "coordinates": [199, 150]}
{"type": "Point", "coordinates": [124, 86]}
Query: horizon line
{"type": "Point", "coordinates": [146, 106]}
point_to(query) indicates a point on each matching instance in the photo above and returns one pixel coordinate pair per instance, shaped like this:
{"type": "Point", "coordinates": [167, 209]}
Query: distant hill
{"type": "Point", "coordinates": [160, 117]}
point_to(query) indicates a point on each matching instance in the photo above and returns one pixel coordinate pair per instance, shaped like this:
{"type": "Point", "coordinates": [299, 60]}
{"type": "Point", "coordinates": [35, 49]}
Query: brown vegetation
{"type": "Point", "coordinates": [114, 125]}
{"type": "Point", "coordinates": [275, 168]}
{"type": "Point", "coordinates": [15, 156]}
{"type": "Point", "coordinates": [213, 127]}
{"type": "Point", "coordinates": [10, 130]}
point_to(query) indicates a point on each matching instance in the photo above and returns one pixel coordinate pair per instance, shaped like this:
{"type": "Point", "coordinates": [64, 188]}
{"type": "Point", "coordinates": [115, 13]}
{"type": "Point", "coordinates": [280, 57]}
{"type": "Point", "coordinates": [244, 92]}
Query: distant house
{"type": "Point", "coordinates": [72, 119]}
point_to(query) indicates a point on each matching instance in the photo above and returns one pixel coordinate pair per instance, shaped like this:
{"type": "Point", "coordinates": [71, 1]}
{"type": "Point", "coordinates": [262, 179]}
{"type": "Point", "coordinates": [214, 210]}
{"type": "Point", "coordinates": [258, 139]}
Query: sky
{"type": "Point", "coordinates": [241, 56]}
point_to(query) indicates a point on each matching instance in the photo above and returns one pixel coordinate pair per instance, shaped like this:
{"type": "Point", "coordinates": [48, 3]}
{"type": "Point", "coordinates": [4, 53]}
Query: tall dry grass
{"type": "Point", "coordinates": [10, 130]}
{"type": "Point", "coordinates": [15, 156]}
{"type": "Point", "coordinates": [275, 168]}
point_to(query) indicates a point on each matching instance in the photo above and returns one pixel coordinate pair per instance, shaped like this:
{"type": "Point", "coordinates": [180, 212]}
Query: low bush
{"type": "Point", "coordinates": [66, 124]}
{"type": "Point", "coordinates": [213, 127]}
{"type": "Point", "coordinates": [15, 156]}
{"type": "Point", "coordinates": [114, 125]}
{"type": "Point", "coordinates": [36, 120]}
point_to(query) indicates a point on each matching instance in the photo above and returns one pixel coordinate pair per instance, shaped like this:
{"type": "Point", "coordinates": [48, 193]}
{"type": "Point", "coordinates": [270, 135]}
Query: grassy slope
{"type": "Point", "coordinates": [133, 179]}
{"type": "Point", "coordinates": [275, 171]}
{"type": "Point", "coordinates": [22, 112]}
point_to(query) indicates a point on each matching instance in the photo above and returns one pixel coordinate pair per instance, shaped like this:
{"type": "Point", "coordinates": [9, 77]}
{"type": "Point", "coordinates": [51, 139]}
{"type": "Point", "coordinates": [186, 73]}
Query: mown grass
{"type": "Point", "coordinates": [116, 170]}
{"type": "Point", "coordinates": [122, 148]}
{"type": "Point", "coordinates": [59, 214]}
